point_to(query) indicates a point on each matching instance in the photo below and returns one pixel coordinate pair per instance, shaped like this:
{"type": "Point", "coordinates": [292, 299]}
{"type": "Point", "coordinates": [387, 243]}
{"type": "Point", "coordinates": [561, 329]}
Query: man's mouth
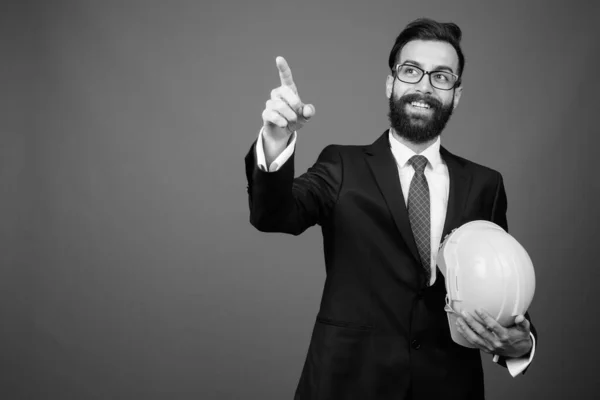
{"type": "Point", "coordinates": [420, 105]}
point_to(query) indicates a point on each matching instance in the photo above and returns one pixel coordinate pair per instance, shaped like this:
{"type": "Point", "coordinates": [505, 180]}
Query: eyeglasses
{"type": "Point", "coordinates": [442, 80]}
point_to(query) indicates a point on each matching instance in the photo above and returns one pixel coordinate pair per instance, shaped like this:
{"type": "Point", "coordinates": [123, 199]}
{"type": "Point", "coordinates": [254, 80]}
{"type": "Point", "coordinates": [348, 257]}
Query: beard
{"type": "Point", "coordinates": [418, 128]}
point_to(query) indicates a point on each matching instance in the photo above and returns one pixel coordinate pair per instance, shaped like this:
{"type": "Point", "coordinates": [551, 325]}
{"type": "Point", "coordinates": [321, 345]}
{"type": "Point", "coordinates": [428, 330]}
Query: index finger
{"type": "Point", "coordinates": [285, 73]}
{"type": "Point", "coordinates": [491, 324]}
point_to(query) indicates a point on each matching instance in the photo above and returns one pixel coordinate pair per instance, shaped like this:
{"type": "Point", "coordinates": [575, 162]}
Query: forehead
{"type": "Point", "coordinates": [430, 54]}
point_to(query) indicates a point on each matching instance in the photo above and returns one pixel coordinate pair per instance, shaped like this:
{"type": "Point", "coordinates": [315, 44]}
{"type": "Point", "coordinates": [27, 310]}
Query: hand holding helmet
{"type": "Point", "coordinates": [485, 333]}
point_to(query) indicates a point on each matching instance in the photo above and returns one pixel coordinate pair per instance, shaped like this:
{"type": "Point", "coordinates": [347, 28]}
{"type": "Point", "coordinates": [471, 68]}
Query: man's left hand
{"type": "Point", "coordinates": [485, 333]}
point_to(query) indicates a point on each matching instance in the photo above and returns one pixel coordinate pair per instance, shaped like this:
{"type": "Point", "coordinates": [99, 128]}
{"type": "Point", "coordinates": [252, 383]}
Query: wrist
{"type": "Point", "coordinates": [525, 350]}
{"type": "Point", "coordinates": [529, 345]}
{"type": "Point", "coordinates": [274, 145]}
{"type": "Point", "coordinates": [275, 136]}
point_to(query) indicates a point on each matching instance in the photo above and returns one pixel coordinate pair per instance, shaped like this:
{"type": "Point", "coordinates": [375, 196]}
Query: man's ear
{"type": "Point", "coordinates": [389, 84]}
{"type": "Point", "coordinates": [457, 95]}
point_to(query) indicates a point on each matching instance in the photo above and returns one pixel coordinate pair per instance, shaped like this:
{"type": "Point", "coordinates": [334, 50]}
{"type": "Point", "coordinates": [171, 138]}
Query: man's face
{"type": "Point", "coordinates": [407, 115]}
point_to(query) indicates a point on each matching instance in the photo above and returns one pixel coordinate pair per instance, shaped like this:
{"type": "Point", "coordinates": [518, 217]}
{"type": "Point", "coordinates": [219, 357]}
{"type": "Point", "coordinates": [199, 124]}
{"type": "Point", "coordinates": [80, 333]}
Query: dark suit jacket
{"type": "Point", "coordinates": [380, 333]}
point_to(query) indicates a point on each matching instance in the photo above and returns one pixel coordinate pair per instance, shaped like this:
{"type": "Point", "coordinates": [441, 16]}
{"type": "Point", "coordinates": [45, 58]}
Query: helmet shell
{"type": "Point", "coordinates": [485, 267]}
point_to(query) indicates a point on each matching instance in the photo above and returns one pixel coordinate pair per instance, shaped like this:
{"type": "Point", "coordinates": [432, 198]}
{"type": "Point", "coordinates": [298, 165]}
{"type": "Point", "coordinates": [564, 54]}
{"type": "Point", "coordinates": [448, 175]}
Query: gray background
{"type": "Point", "coordinates": [128, 267]}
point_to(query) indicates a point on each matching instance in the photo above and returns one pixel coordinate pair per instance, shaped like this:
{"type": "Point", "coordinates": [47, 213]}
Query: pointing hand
{"type": "Point", "coordinates": [284, 112]}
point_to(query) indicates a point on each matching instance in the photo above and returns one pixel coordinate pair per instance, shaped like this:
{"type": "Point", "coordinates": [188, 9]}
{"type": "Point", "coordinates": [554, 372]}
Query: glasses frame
{"type": "Point", "coordinates": [397, 67]}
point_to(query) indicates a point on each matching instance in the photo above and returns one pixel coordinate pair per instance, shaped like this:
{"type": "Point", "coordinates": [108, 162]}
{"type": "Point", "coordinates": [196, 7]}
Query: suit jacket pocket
{"type": "Point", "coordinates": [344, 324]}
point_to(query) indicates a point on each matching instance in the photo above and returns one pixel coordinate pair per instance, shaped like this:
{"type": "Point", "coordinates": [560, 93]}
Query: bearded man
{"type": "Point", "coordinates": [381, 331]}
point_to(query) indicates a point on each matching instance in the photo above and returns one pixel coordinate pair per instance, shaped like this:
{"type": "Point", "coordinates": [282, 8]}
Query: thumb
{"type": "Point", "coordinates": [308, 111]}
{"type": "Point", "coordinates": [522, 323]}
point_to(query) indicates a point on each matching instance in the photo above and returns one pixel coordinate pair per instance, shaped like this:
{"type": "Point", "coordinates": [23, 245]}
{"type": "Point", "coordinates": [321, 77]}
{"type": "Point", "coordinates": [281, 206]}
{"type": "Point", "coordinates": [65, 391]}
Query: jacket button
{"type": "Point", "coordinates": [415, 344]}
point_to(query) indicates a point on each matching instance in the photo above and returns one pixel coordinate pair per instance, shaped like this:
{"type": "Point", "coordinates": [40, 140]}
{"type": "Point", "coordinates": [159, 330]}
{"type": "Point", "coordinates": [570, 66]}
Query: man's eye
{"type": "Point", "coordinates": [409, 71]}
{"type": "Point", "coordinates": [441, 77]}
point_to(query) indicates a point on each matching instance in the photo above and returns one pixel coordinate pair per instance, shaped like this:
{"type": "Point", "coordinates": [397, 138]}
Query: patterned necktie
{"type": "Point", "coordinates": [418, 211]}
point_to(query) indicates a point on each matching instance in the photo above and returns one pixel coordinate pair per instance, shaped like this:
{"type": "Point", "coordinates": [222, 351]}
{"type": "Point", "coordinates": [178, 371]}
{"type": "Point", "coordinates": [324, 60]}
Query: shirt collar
{"type": "Point", "coordinates": [402, 153]}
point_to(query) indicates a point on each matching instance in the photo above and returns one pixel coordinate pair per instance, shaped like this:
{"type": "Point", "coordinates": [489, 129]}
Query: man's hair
{"type": "Point", "coordinates": [428, 29]}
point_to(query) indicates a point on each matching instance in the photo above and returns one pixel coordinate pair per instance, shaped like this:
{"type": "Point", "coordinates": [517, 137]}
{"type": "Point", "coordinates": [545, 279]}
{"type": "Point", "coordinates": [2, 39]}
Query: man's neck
{"type": "Point", "coordinates": [416, 147]}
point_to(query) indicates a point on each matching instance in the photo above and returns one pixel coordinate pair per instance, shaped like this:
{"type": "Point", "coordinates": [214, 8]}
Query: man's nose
{"type": "Point", "coordinates": [424, 86]}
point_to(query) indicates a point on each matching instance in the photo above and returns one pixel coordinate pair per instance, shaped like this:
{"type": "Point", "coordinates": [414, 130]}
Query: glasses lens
{"type": "Point", "coordinates": [442, 80]}
{"type": "Point", "coordinates": [409, 74]}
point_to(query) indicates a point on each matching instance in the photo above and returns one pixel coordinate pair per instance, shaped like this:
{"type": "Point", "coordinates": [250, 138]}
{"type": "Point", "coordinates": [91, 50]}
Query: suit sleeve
{"type": "Point", "coordinates": [499, 217]}
{"type": "Point", "coordinates": [281, 203]}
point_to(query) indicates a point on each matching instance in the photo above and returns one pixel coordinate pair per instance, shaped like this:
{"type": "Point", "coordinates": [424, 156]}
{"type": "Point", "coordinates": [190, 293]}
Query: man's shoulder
{"type": "Point", "coordinates": [344, 150]}
{"type": "Point", "coordinates": [347, 148]}
{"type": "Point", "coordinates": [474, 167]}
{"type": "Point", "coordinates": [380, 143]}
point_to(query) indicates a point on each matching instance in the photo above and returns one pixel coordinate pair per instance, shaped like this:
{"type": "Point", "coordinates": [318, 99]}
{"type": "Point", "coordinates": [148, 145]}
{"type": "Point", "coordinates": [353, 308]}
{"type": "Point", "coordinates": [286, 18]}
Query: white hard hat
{"type": "Point", "coordinates": [485, 267]}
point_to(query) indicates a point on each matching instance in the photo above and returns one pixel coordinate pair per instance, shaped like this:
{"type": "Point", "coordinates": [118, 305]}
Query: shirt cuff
{"type": "Point", "coordinates": [279, 161]}
{"type": "Point", "coordinates": [517, 365]}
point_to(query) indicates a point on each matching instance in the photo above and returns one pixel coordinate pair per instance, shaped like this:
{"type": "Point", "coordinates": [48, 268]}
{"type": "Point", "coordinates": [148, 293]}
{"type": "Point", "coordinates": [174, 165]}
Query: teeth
{"type": "Point", "coordinates": [419, 104]}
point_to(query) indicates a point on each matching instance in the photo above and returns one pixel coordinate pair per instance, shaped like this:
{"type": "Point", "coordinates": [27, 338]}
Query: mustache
{"type": "Point", "coordinates": [430, 100]}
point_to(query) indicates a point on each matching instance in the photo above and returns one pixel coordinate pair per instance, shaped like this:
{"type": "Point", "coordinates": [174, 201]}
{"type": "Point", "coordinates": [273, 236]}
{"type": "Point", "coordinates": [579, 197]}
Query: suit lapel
{"type": "Point", "coordinates": [381, 161]}
{"type": "Point", "coordinates": [383, 166]}
{"type": "Point", "coordinates": [460, 184]}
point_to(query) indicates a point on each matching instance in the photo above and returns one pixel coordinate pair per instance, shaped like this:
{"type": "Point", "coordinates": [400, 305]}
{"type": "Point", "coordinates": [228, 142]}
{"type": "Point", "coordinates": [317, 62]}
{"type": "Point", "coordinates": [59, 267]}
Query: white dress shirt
{"type": "Point", "coordinates": [438, 180]}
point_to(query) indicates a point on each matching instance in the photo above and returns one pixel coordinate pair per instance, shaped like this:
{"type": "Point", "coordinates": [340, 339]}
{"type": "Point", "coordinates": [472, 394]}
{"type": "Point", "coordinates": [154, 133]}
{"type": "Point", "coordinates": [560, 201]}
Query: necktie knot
{"type": "Point", "coordinates": [419, 163]}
